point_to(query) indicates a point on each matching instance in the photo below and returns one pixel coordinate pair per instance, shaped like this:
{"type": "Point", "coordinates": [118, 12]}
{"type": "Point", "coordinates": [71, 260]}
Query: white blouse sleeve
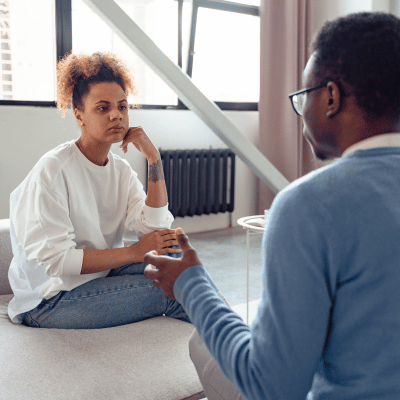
{"type": "Point", "coordinates": [142, 219]}
{"type": "Point", "coordinates": [45, 232]}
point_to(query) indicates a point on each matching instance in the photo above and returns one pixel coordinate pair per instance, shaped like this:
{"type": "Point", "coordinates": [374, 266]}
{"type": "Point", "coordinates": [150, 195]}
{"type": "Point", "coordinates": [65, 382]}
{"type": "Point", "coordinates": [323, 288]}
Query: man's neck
{"type": "Point", "coordinates": [362, 129]}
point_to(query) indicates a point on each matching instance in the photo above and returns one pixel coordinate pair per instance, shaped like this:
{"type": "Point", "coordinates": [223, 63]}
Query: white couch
{"type": "Point", "coordinates": [145, 360]}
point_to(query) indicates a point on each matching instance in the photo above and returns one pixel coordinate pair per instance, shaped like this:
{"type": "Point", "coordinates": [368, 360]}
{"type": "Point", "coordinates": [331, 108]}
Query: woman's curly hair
{"type": "Point", "coordinates": [76, 72]}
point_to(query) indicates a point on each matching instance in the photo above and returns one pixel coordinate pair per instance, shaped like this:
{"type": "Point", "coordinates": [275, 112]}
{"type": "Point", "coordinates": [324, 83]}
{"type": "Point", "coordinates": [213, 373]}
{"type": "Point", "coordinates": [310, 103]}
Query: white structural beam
{"type": "Point", "coordinates": [190, 95]}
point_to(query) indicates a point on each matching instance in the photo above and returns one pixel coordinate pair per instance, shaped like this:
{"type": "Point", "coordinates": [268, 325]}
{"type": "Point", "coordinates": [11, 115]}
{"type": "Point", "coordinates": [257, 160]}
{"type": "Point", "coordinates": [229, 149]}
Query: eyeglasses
{"type": "Point", "coordinates": [297, 98]}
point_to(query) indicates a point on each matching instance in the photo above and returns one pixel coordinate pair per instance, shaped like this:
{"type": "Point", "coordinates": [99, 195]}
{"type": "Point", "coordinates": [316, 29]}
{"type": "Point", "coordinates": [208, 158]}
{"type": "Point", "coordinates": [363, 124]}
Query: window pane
{"type": "Point", "coordinates": [249, 2]}
{"type": "Point", "coordinates": [27, 50]}
{"type": "Point", "coordinates": [226, 63]}
{"type": "Point", "coordinates": [157, 18]}
{"type": "Point", "coordinates": [186, 22]}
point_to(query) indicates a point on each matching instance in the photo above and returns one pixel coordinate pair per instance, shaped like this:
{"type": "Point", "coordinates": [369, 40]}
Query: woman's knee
{"type": "Point", "coordinates": [27, 320]}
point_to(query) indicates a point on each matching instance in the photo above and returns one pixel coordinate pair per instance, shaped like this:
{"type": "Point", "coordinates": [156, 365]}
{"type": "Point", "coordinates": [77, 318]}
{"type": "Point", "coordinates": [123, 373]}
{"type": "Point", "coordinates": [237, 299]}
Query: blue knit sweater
{"type": "Point", "coordinates": [329, 318]}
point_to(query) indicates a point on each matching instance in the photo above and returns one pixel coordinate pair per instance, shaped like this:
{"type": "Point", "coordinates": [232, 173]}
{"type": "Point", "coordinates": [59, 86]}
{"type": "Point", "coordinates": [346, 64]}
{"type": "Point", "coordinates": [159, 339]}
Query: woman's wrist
{"type": "Point", "coordinates": [154, 158]}
{"type": "Point", "coordinates": [101, 260]}
{"type": "Point", "coordinates": [156, 172]}
{"type": "Point", "coordinates": [133, 254]}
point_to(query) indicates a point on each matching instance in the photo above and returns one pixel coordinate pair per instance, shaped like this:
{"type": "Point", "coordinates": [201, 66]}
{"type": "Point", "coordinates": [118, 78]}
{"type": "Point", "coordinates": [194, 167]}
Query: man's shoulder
{"type": "Point", "coordinates": [326, 188]}
{"type": "Point", "coordinates": [344, 179]}
{"type": "Point", "coordinates": [317, 181]}
{"type": "Point", "coordinates": [311, 201]}
{"type": "Point", "coordinates": [351, 169]}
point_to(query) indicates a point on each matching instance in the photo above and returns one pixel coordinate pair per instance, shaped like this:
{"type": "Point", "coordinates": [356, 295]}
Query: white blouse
{"type": "Point", "coordinates": [67, 204]}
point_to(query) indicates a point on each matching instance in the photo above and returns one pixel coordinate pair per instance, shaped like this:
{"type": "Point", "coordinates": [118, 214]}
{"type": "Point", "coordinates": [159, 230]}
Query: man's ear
{"type": "Point", "coordinates": [334, 99]}
{"type": "Point", "coordinates": [78, 116]}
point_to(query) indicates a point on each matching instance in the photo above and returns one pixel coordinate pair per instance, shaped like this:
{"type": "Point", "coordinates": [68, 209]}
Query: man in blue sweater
{"type": "Point", "coordinates": [328, 326]}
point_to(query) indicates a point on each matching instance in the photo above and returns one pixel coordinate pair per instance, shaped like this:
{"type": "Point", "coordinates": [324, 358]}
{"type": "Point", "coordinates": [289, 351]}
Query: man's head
{"type": "Point", "coordinates": [362, 51]}
{"type": "Point", "coordinates": [357, 58]}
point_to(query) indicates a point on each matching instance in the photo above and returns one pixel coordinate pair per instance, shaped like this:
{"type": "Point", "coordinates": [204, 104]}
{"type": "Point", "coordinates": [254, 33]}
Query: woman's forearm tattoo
{"type": "Point", "coordinates": [156, 172]}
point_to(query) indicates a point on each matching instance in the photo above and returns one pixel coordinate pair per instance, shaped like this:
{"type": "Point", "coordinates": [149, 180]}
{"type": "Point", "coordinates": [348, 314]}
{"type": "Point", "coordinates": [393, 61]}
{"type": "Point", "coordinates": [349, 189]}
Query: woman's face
{"type": "Point", "coordinates": [104, 118]}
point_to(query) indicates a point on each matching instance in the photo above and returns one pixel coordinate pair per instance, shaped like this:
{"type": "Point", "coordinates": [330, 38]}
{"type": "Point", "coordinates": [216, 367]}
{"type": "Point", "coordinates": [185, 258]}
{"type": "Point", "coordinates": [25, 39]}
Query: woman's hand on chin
{"type": "Point", "coordinates": [138, 137]}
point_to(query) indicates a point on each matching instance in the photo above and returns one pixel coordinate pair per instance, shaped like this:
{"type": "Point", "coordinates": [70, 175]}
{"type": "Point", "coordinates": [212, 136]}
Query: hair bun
{"type": "Point", "coordinates": [75, 72]}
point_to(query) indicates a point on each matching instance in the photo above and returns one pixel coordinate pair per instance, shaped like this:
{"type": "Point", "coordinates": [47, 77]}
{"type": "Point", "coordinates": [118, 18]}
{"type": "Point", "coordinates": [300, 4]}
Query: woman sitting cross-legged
{"type": "Point", "coordinates": [70, 216]}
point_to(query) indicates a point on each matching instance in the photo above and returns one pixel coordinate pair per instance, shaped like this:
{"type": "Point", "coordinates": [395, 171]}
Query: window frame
{"type": "Point", "coordinates": [63, 28]}
{"type": "Point", "coordinates": [223, 6]}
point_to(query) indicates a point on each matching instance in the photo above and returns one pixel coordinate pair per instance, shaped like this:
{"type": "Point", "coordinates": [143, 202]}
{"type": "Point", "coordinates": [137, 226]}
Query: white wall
{"type": "Point", "coordinates": [394, 7]}
{"type": "Point", "coordinates": [26, 133]}
{"type": "Point", "coordinates": [327, 10]}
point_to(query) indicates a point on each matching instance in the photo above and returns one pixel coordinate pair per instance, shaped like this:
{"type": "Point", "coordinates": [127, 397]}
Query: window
{"type": "Point", "coordinates": [223, 60]}
{"type": "Point", "coordinates": [224, 52]}
{"type": "Point", "coordinates": [27, 50]}
{"type": "Point", "coordinates": [158, 18]}
{"type": "Point", "coordinates": [226, 60]}
{"type": "Point", "coordinates": [251, 2]}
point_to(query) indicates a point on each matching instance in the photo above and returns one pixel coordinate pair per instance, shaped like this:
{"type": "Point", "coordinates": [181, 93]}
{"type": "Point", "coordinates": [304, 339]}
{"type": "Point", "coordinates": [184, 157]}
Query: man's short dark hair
{"type": "Point", "coordinates": [363, 51]}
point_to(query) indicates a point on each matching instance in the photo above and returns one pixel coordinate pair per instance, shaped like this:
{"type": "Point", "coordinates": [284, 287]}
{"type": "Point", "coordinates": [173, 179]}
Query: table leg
{"type": "Point", "coordinates": [248, 276]}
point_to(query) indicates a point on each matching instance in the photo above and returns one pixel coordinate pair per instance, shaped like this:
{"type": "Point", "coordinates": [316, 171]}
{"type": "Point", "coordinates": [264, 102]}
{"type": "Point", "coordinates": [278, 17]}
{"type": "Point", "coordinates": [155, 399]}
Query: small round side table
{"type": "Point", "coordinates": [253, 225]}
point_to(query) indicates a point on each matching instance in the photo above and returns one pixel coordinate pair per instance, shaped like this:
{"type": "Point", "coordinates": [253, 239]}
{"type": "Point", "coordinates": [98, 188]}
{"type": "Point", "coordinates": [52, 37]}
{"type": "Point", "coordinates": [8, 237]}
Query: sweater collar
{"type": "Point", "coordinates": [88, 164]}
{"type": "Point", "coordinates": [384, 140]}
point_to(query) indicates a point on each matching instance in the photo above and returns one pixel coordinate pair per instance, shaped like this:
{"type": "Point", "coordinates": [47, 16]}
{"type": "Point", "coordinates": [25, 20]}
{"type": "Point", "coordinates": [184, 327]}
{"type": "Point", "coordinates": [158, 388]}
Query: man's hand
{"type": "Point", "coordinates": [168, 269]}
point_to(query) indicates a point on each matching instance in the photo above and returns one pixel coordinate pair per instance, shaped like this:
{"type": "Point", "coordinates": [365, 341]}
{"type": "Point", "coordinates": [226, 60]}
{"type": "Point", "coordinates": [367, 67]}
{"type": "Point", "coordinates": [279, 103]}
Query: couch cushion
{"type": "Point", "coordinates": [145, 360]}
{"type": "Point", "coordinates": [5, 255]}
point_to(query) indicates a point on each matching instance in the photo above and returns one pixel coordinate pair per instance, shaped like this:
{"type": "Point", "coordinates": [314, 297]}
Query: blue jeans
{"type": "Point", "coordinates": [122, 297]}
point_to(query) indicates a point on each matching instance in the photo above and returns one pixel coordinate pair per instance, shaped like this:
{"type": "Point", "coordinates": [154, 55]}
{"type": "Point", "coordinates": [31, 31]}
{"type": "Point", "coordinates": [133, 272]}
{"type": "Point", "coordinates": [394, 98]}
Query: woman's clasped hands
{"type": "Point", "coordinates": [160, 241]}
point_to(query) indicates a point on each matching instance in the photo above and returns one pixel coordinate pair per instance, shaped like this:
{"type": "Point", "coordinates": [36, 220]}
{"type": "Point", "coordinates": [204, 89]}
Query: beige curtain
{"type": "Point", "coordinates": [286, 32]}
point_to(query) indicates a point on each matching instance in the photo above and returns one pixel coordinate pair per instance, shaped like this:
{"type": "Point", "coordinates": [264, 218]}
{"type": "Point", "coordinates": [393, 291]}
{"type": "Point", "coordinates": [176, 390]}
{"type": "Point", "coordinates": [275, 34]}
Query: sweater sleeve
{"type": "Point", "coordinates": [45, 232]}
{"type": "Point", "coordinates": [277, 356]}
{"type": "Point", "coordinates": [141, 218]}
